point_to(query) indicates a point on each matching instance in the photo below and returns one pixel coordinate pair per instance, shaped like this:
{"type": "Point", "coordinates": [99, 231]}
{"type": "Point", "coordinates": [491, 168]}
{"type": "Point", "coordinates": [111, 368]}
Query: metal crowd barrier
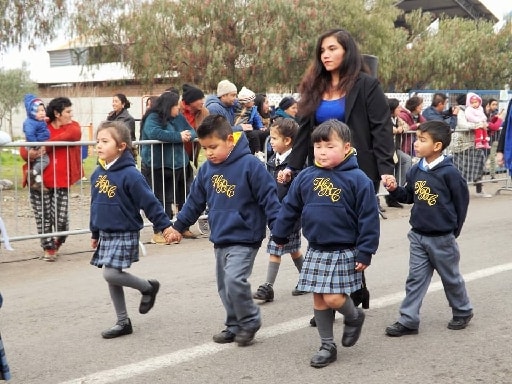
{"type": "Point", "coordinates": [17, 214]}
{"type": "Point", "coordinates": [16, 210]}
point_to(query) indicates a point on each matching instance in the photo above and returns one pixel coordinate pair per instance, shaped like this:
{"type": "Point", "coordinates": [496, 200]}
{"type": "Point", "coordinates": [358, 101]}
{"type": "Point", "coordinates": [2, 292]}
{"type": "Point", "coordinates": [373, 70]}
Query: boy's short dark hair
{"type": "Point", "coordinates": [214, 125]}
{"type": "Point", "coordinates": [324, 131]}
{"type": "Point", "coordinates": [438, 98]}
{"type": "Point", "coordinates": [286, 127]}
{"type": "Point", "coordinates": [438, 130]}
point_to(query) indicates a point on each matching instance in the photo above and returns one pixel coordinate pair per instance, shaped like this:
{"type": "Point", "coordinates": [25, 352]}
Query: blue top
{"type": "Point", "coordinates": [338, 209]}
{"type": "Point", "coordinates": [34, 130]}
{"type": "Point", "coordinates": [330, 109]}
{"type": "Point", "coordinates": [255, 119]}
{"type": "Point", "coordinates": [440, 197]}
{"type": "Point", "coordinates": [241, 197]}
{"type": "Point", "coordinates": [117, 196]}
{"type": "Point", "coordinates": [215, 107]}
{"type": "Point", "coordinates": [174, 154]}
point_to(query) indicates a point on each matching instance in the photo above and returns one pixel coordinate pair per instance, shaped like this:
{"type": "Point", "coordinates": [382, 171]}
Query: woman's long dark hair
{"type": "Point", "coordinates": [163, 105]}
{"type": "Point", "coordinates": [317, 80]}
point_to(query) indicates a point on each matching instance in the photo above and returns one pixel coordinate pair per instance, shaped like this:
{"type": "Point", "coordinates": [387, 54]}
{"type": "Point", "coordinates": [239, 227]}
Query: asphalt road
{"type": "Point", "coordinates": [53, 315]}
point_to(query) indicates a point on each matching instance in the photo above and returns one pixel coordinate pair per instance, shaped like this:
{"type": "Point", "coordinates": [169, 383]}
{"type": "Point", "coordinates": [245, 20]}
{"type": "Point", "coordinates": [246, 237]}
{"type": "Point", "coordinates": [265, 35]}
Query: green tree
{"type": "Point", "coordinates": [258, 43]}
{"type": "Point", "coordinates": [267, 45]}
{"type": "Point", "coordinates": [14, 84]}
{"type": "Point", "coordinates": [460, 54]}
{"type": "Point", "coordinates": [30, 22]}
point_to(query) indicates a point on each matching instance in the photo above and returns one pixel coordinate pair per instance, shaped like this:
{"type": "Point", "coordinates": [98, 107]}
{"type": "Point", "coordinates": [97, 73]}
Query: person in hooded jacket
{"type": "Point", "coordinates": [36, 129]}
{"type": "Point", "coordinates": [335, 201]}
{"type": "Point", "coordinates": [441, 197]}
{"type": "Point", "coordinates": [242, 199]}
{"type": "Point", "coordinates": [118, 194]}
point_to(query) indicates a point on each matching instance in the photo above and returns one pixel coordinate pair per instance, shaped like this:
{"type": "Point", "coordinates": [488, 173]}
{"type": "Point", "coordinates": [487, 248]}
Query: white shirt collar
{"type": "Point", "coordinates": [282, 157]}
{"type": "Point", "coordinates": [431, 165]}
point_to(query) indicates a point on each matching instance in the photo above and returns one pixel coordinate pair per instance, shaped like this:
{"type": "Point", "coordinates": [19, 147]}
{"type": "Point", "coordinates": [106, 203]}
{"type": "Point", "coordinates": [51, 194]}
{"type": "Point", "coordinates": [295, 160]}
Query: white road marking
{"type": "Point", "coordinates": [207, 349]}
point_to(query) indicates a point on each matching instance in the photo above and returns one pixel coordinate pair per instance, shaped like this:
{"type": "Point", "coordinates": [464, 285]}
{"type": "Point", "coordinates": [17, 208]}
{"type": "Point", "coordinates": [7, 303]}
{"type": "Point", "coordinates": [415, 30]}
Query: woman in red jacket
{"type": "Point", "coordinates": [64, 169]}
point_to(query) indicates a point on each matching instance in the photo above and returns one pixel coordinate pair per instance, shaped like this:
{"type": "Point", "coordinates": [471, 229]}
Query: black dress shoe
{"type": "Point", "coordinates": [325, 356]}
{"type": "Point", "coordinates": [120, 329]}
{"type": "Point", "coordinates": [397, 329]}
{"type": "Point", "coordinates": [352, 329]}
{"type": "Point", "coordinates": [459, 322]}
{"type": "Point", "coordinates": [148, 298]}
{"type": "Point", "coordinates": [224, 337]}
{"type": "Point", "coordinates": [245, 336]}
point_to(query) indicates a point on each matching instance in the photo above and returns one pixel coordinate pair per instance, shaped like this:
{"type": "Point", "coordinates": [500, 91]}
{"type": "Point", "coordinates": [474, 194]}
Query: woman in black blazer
{"type": "Point", "coordinates": [337, 85]}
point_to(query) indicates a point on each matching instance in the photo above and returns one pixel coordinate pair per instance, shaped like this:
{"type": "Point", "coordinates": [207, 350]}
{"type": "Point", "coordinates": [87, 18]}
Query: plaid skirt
{"type": "Point", "coordinates": [470, 163]}
{"type": "Point", "coordinates": [293, 245]}
{"type": "Point", "coordinates": [116, 250]}
{"type": "Point", "coordinates": [5, 374]}
{"type": "Point", "coordinates": [329, 272]}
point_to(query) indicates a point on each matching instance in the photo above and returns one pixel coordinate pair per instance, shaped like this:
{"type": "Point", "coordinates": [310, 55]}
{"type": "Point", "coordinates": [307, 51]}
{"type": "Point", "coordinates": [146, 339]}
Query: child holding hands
{"type": "Point", "coordinates": [440, 196]}
{"type": "Point", "coordinates": [242, 198]}
{"type": "Point", "coordinates": [282, 133]}
{"type": "Point", "coordinates": [340, 219]}
{"type": "Point", "coordinates": [118, 193]}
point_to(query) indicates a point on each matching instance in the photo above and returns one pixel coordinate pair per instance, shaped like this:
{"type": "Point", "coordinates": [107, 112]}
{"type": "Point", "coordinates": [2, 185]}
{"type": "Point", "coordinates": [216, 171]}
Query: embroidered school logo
{"type": "Point", "coordinates": [221, 185]}
{"type": "Point", "coordinates": [325, 187]}
{"type": "Point", "coordinates": [104, 186]}
{"type": "Point", "coordinates": [423, 192]}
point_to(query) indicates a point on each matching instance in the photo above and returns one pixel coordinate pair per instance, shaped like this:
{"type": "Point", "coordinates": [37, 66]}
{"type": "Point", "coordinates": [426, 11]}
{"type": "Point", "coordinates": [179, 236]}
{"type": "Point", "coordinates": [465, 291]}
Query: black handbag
{"type": "Point", "coordinates": [362, 295]}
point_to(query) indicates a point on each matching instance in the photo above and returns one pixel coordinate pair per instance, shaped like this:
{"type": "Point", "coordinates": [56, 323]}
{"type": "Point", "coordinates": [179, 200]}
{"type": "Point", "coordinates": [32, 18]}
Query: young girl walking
{"type": "Point", "coordinates": [282, 133]}
{"type": "Point", "coordinates": [118, 193]}
{"type": "Point", "coordinates": [340, 220]}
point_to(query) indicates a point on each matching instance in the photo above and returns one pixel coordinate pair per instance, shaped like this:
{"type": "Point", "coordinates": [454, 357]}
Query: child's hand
{"type": "Point", "coordinates": [284, 176]}
{"type": "Point", "coordinates": [94, 243]}
{"type": "Point", "coordinates": [361, 266]}
{"type": "Point", "coordinates": [389, 182]}
{"type": "Point", "coordinates": [171, 235]}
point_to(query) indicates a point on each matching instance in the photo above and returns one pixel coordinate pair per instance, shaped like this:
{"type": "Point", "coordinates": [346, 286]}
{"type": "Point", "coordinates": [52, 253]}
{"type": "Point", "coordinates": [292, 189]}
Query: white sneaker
{"type": "Point", "coordinates": [483, 194]}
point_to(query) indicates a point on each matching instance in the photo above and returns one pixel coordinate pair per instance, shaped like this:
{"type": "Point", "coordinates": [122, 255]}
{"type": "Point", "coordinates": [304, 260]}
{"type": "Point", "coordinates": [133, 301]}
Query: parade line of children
{"type": "Point", "coordinates": [333, 202]}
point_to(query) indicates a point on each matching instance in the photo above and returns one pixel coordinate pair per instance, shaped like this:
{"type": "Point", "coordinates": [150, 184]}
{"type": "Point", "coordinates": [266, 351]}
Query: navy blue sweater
{"type": "Point", "coordinates": [440, 197]}
{"type": "Point", "coordinates": [117, 196]}
{"type": "Point", "coordinates": [241, 197]}
{"type": "Point", "coordinates": [338, 209]}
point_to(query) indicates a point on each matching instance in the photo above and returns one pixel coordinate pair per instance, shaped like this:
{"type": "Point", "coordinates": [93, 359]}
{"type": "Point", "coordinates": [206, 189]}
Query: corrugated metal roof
{"type": "Point", "coordinates": [473, 9]}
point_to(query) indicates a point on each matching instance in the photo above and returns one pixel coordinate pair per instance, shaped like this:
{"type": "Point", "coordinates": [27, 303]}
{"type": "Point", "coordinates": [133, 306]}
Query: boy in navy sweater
{"type": "Point", "coordinates": [440, 196]}
{"type": "Point", "coordinates": [242, 198]}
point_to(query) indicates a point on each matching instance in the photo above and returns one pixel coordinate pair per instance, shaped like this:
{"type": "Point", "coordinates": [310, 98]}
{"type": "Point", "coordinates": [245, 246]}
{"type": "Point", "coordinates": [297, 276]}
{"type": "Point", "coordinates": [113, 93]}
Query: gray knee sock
{"type": "Point", "coordinates": [117, 296]}
{"type": "Point", "coordinates": [118, 277]}
{"type": "Point", "coordinates": [298, 262]}
{"type": "Point", "coordinates": [324, 323]}
{"type": "Point", "coordinates": [272, 270]}
{"type": "Point", "coordinates": [348, 310]}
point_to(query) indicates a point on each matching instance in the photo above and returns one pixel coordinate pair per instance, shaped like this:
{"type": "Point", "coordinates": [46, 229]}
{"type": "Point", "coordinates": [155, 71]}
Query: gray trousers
{"type": "Point", "coordinates": [440, 253]}
{"type": "Point", "coordinates": [234, 266]}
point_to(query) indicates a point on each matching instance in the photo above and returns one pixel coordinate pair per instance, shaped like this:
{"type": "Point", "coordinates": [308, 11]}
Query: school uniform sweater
{"type": "Point", "coordinates": [117, 196]}
{"type": "Point", "coordinates": [440, 196]}
{"type": "Point", "coordinates": [338, 209]}
{"type": "Point", "coordinates": [241, 197]}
